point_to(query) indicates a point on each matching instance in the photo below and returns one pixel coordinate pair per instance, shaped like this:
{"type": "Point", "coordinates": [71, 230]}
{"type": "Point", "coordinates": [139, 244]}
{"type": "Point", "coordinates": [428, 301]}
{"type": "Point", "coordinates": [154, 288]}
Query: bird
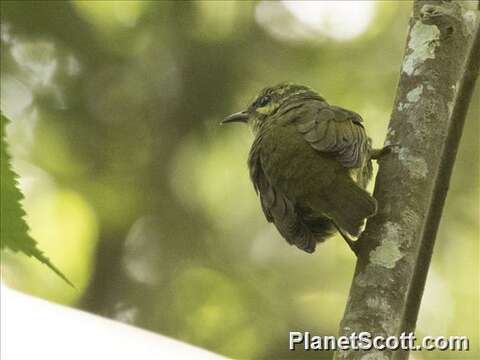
{"type": "Point", "coordinates": [310, 163]}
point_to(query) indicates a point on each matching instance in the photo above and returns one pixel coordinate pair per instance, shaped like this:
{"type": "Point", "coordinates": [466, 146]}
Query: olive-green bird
{"type": "Point", "coordinates": [310, 163]}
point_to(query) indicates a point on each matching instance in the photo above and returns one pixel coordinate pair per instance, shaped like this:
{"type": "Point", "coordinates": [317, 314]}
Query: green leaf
{"type": "Point", "coordinates": [13, 228]}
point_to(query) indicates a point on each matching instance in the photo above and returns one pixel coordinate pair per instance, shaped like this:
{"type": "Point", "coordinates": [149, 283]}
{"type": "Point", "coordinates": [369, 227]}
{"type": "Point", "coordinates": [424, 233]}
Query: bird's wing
{"type": "Point", "coordinates": [334, 130]}
{"type": "Point", "coordinates": [277, 207]}
{"type": "Point", "coordinates": [260, 183]}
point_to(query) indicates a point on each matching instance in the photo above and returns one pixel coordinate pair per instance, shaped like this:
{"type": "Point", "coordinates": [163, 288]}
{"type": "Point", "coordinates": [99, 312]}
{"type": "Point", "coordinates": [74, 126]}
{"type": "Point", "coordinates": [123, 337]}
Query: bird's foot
{"type": "Point", "coordinates": [377, 154]}
{"type": "Point", "coordinates": [353, 245]}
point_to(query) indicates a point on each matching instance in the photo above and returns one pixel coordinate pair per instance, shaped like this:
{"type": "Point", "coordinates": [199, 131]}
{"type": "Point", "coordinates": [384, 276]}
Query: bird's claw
{"type": "Point", "coordinates": [377, 154]}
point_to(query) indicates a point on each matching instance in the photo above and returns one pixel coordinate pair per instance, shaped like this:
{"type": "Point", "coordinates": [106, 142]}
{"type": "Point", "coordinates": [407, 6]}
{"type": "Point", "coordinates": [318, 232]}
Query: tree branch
{"type": "Point", "coordinates": [438, 74]}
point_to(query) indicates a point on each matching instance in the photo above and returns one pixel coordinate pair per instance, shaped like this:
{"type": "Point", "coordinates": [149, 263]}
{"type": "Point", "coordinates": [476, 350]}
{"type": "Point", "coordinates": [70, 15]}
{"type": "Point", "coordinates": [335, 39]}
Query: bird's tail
{"type": "Point", "coordinates": [349, 205]}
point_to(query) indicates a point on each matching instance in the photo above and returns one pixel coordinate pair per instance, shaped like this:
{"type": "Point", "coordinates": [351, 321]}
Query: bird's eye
{"type": "Point", "coordinates": [264, 100]}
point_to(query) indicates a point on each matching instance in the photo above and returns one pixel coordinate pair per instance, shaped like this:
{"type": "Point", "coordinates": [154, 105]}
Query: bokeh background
{"type": "Point", "coordinates": [144, 201]}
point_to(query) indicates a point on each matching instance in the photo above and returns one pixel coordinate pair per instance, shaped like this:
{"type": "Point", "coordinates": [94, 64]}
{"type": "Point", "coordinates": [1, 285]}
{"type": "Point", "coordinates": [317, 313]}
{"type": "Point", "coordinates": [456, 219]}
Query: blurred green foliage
{"type": "Point", "coordinates": [135, 191]}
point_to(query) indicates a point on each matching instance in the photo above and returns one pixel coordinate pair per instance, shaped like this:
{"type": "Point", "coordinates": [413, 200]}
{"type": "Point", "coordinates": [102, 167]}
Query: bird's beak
{"type": "Point", "coordinates": [241, 116]}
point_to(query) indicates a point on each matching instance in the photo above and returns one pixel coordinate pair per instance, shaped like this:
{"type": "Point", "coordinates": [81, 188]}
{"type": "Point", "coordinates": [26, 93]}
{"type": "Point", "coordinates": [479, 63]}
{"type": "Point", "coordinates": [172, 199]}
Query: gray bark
{"type": "Point", "coordinates": [438, 73]}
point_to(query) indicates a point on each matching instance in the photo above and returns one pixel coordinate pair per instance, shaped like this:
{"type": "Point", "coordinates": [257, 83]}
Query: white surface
{"type": "Point", "coordinates": [340, 20]}
{"type": "Point", "coordinates": [32, 328]}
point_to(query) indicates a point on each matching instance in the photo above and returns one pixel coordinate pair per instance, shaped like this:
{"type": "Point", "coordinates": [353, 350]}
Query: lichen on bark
{"type": "Point", "coordinates": [421, 46]}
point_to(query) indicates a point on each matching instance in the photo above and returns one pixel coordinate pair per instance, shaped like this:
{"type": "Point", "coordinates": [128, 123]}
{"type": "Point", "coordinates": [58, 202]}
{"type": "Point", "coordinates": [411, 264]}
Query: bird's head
{"type": "Point", "coordinates": [268, 103]}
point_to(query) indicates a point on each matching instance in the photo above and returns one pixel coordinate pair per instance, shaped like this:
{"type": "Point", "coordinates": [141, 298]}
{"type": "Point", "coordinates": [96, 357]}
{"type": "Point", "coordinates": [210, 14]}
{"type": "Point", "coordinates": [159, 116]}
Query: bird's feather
{"type": "Point", "coordinates": [277, 207]}
{"type": "Point", "coordinates": [334, 130]}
